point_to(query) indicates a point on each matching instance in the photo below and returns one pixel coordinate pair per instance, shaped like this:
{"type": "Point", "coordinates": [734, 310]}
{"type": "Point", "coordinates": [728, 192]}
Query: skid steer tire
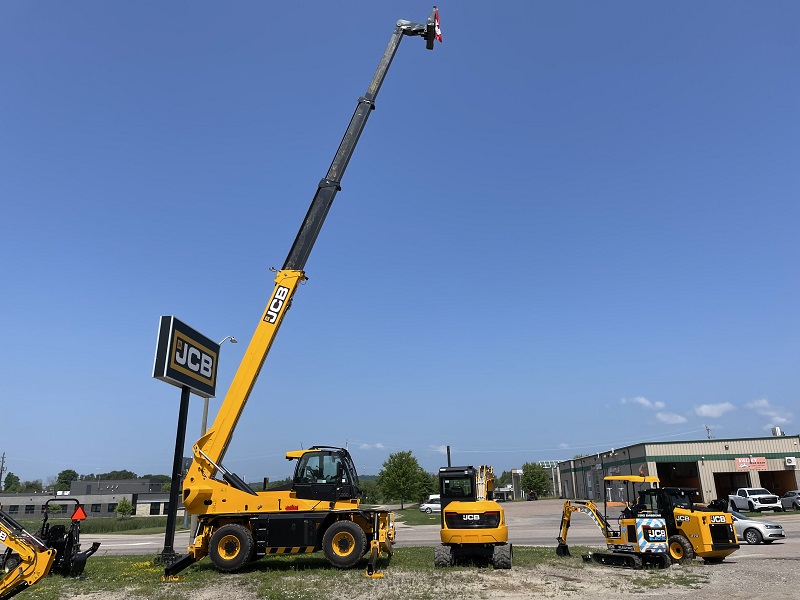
{"type": "Point", "coordinates": [680, 549]}
{"type": "Point", "coordinates": [443, 556]}
{"type": "Point", "coordinates": [231, 547]}
{"type": "Point", "coordinates": [502, 556]}
{"type": "Point", "coordinates": [344, 543]}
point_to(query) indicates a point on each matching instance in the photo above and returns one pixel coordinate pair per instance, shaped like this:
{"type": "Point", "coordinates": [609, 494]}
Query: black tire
{"type": "Point", "coordinates": [751, 507]}
{"type": "Point", "coordinates": [502, 556]}
{"type": "Point", "coordinates": [443, 556]}
{"type": "Point", "coordinates": [752, 536]}
{"type": "Point", "coordinates": [231, 547]}
{"type": "Point", "coordinates": [796, 505]}
{"type": "Point", "coordinates": [680, 549]}
{"type": "Point", "coordinates": [429, 510]}
{"type": "Point", "coordinates": [344, 543]}
{"type": "Point", "coordinates": [12, 563]}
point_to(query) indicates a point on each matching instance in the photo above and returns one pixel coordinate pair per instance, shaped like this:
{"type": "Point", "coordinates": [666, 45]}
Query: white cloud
{"type": "Point", "coordinates": [377, 446]}
{"type": "Point", "coordinates": [776, 415]}
{"type": "Point", "coordinates": [713, 410]}
{"type": "Point", "coordinates": [641, 400]}
{"type": "Point", "coordinates": [563, 446]}
{"type": "Point", "coordinates": [670, 418]}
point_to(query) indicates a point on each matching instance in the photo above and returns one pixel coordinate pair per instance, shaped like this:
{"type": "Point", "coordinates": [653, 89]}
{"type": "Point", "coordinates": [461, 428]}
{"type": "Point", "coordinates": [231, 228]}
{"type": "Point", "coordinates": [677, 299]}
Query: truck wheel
{"type": "Point", "coordinates": [429, 510]}
{"type": "Point", "coordinates": [751, 507]}
{"type": "Point", "coordinates": [231, 547]}
{"type": "Point", "coordinates": [501, 556]}
{"type": "Point", "coordinates": [796, 506]}
{"type": "Point", "coordinates": [752, 536]}
{"type": "Point", "coordinates": [680, 549]}
{"type": "Point", "coordinates": [443, 556]}
{"type": "Point", "coordinates": [344, 544]}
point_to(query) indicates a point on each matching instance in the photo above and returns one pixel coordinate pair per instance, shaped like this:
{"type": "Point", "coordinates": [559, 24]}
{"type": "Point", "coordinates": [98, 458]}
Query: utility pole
{"type": "Point", "coordinates": [708, 431]}
{"type": "Point", "coordinates": [2, 469]}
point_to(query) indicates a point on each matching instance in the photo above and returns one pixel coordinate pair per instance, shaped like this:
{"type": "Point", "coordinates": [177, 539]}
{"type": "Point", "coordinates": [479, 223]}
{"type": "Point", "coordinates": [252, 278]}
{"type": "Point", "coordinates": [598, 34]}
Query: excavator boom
{"type": "Point", "coordinates": [25, 560]}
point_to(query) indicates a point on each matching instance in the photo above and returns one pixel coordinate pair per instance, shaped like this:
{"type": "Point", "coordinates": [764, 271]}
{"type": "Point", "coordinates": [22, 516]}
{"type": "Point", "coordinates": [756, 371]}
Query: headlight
{"type": "Point", "coordinates": [774, 527]}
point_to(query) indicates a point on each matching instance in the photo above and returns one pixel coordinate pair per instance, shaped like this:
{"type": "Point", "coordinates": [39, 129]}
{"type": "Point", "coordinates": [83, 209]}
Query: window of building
{"type": "Point", "coordinates": [13, 509]}
{"type": "Point", "coordinates": [155, 508]}
{"type": "Point", "coordinates": [112, 506]}
{"type": "Point", "coordinates": [29, 508]}
{"type": "Point", "coordinates": [95, 508]}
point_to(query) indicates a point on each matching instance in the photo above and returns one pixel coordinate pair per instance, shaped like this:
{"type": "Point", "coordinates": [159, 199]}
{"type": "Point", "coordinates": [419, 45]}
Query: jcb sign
{"type": "Point", "coordinates": [185, 357]}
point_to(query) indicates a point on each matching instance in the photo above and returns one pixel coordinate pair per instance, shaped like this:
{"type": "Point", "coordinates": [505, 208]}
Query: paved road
{"type": "Point", "coordinates": [529, 523]}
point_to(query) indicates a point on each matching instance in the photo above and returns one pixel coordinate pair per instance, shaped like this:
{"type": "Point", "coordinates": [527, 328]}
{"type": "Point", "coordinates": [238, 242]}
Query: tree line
{"type": "Point", "coordinates": [64, 479]}
{"type": "Point", "coordinates": [401, 480]}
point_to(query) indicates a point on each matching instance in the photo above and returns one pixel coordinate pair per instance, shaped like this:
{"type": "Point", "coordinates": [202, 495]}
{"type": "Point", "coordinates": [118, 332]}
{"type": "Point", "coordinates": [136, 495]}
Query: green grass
{"type": "Point", "coordinates": [410, 574]}
{"type": "Point", "coordinates": [110, 525]}
{"type": "Point", "coordinates": [413, 516]}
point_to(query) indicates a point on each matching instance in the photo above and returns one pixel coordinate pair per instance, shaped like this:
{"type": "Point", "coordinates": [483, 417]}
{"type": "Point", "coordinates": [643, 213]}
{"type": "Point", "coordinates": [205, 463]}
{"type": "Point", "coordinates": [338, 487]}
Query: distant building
{"type": "Point", "coordinates": [99, 499]}
{"type": "Point", "coordinates": [715, 467]}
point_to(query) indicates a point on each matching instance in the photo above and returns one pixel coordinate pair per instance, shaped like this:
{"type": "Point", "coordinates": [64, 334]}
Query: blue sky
{"type": "Point", "coordinates": [571, 227]}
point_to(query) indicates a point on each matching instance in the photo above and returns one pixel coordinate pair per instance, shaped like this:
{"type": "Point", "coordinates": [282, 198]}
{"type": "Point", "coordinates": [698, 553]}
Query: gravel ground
{"type": "Point", "coordinates": [753, 579]}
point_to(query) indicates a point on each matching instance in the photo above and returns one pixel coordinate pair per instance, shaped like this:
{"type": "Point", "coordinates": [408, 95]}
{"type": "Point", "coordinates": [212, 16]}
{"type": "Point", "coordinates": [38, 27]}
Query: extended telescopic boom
{"type": "Point", "coordinates": [210, 449]}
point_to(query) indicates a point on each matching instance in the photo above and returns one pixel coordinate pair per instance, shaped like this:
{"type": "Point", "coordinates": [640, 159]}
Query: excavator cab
{"type": "Point", "coordinates": [324, 473]}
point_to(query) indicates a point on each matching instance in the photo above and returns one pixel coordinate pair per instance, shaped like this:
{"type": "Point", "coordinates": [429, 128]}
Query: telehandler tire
{"type": "Point", "coordinates": [344, 543]}
{"type": "Point", "coordinates": [680, 549]}
{"type": "Point", "coordinates": [231, 547]}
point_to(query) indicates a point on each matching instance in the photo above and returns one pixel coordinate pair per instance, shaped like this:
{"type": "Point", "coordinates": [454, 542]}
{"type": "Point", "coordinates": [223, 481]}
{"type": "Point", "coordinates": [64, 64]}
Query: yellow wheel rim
{"type": "Point", "coordinates": [676, 550]}
{"type": "Point", "coordinates": [343, 544]}
{"type": "Point", "coordinates": [229, 547]}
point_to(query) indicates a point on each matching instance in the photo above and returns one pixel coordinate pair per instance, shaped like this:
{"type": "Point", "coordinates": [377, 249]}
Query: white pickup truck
{"type": "Point", "coordinates": [754, 500]}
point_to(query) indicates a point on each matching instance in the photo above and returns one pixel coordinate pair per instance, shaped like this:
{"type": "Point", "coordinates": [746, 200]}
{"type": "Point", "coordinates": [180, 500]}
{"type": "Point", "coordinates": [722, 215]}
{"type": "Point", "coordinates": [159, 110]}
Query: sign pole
{"type": "Point", "coordinates": [168, 554]}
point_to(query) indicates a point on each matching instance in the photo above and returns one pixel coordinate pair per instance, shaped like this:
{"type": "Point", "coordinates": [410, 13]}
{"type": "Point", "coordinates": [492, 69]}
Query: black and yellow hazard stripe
{"type": "Point", "coordinates": [291, 550]}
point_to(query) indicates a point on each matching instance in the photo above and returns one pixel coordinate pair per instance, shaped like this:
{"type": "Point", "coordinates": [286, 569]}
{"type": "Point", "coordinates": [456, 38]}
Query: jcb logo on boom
{"type": "Point", "coordinates": [3, 536]}
{"type": "Point", "coordinates": [471, 517]}
{"type": "Point", "coordinates": [195, 359]}
{"type": "Point", "coordinates": [276, 305]}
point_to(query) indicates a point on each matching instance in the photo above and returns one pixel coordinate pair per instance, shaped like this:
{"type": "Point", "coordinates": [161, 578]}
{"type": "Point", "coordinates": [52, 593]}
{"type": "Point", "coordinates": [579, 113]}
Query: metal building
{"type": "Point", "coordinates": [716, 467]}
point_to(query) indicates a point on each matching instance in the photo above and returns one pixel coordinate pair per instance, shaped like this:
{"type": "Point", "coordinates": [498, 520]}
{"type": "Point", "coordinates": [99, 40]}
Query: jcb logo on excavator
{"type": "Point", "coordinates": [471, 517]}
{"type": "Point", "coordinates": [276, 304]}
{"type": "Point", "coordinates": [680, 518]}
{"type": "Point", "coordinates": [3, 536]}
{"type": "Point", "coordinates": [655, 535]}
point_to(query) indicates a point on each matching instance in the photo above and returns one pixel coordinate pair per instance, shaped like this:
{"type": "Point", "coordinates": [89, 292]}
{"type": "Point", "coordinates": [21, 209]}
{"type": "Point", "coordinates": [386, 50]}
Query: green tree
{"type": "Point", "coordinates": [124, 508]}
{"type": "Point", "coordinates": [371, 492]}
{"type": "Point", "coordinates": [12, 483]}
{"type": "Point", "coordinates": [504, 479]}
{"type": "Point", "coordinates": [65, 478]}
{"type": "Point", "coordinates": [123, 474]}
{"type": "Point", "coordinates": [402, 478]}
{"type": "Point", "coordinates": [535, 477]}
{"type": "Point", "coordinates": [32, 486]}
